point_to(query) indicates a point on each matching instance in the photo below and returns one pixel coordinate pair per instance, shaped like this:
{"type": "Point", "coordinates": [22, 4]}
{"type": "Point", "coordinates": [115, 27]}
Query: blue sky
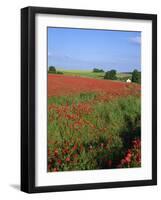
{"type": "Point", "coordinates": [86, 49]}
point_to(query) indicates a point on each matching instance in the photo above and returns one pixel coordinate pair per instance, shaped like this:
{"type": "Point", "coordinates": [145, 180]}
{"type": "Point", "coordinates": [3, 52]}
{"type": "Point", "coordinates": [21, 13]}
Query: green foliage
{"type": "Point", "coordinates": [120, 114]}
{"type": "Point", "coordinates": [111, 75]}
{"type": "Point", "coordinates": [59, 72]}
{"type": "Point", "coordinates": [70, 99]}
{"type": "Point", "coordinates": [136, 76]}
{"type": "Point", "coordinates": [83, 73]}
{"type": "Point", "coordinates": [123, 76]}
{"type": "Point", "coordinates": [97, 70]}
{"type": "Point", "coordinates": [52, 69]}
{"type": "Point", "coordinates": [92, 145]}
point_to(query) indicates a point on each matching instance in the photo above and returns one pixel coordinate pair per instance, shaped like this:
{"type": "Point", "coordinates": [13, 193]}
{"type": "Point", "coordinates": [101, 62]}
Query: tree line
{"type": "Point", "coordinates": [53, 70]}
{"type": "Point", "coordinates": [112, 75]}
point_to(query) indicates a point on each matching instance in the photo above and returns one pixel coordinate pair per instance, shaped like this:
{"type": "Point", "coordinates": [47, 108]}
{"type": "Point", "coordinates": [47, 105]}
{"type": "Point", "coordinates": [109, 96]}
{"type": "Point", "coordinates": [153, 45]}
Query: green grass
{"type": "Point", "coordinates": [83, 73]}
{"type": "Point", "coordinates": [124, 76]}
{"type": "Point", "coordinates": [102, 131]}
{"type": "Point", "coordinates": [81, 97]}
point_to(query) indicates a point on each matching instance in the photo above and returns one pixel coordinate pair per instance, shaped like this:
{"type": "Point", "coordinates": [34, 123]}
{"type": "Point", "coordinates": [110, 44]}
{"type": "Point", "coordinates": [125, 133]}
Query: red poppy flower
{"type": "Point", "coordinates": [56, 153]}
{"type": "Point", "coordinates": [65, 151]}
{"type": "Point", "coordinates": [129, 155]}
{"type": "Point", "coordinates": [59, 161]}
{"type": "Point", "coordinates": [127, 159]}
{"type": "Point", "coordinates": [67, 159]}
{"type": "Point", "coordinates": [55, 169]}
{"type": "Point", "coordinates": [75, 147]}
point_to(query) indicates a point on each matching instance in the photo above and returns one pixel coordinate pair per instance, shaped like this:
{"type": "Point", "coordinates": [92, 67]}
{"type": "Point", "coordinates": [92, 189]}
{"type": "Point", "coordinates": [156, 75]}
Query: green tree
{"type": "Point", "coordinates": [110, 75]}
{"type": "Point", "coordinates": [97, 70]}
{"type": "Point", "coordinates": [59, 72]}
{"type": "Point", "coordinates": [136, 76]}
{"type": "Point", "coordinates": [101, 70]}
{"type": "Point", "coordinates": [52, 69]}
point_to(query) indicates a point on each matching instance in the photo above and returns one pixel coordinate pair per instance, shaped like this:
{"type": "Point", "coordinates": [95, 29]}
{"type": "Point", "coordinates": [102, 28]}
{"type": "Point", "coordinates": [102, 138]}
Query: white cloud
{"type": "Point", "coordinates": [135, 40]}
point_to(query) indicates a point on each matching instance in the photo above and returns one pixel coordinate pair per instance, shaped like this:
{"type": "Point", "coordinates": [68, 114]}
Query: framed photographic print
{"type": "Point", "coordinates": [88, 99]}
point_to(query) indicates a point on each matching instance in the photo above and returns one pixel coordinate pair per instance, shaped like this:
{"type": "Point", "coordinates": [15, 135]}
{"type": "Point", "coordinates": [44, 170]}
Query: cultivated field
{"type": "Point", "coordinates": [92, 123]}
{"type": "Point", "coordinates": [90, 74]}
{"type": "Point", "coordinates": [84, 73]}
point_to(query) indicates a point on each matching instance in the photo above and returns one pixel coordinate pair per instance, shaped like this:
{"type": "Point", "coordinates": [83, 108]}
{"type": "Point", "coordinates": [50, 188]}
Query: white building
{"type": "Point", "coordinates": [128, 80]}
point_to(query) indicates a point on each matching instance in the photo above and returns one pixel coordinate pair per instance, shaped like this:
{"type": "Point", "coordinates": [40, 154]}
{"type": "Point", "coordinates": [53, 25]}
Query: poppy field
{"type": "Point", "coordinates": [93, 124]}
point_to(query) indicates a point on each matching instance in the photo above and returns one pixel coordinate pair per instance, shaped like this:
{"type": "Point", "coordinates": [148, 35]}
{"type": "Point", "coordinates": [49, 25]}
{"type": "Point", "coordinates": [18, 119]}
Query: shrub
{"type": "Point", "coordinates": [111, 75]}
{"type": "Point", "coordinates": [136, 76]}
{"type": "Point", "coordinates": [97, 70]}
{"type": "Point", "coordinates": [59, 72]}
{"type": "Point", "coordinates": [52, 69]}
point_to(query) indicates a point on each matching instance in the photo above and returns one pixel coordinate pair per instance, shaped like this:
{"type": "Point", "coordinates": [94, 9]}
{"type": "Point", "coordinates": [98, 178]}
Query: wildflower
{"type": "Point", "coordinates": [102, 145]}
{"type": "Point", "coordinates": [56, 153]}
{"type": "Point", "coordinates": [75, 147]}
{"type": "Point", "coordinates": [127, 159]}
{"type": "Point", "coordinates": [129, 151]}
{"type": "Point", "coordinates": [55, 169]}
{"type": "Point", "coordinates": [90, 147]}
{"type": "Point", "coordinates": [129, 155]}
{"type": "Point", "coordinates": [67, 159]}
{"type": "Point", "coordinates": [65, 151]}
{"type": "Point", "coordinates": [59, 161]}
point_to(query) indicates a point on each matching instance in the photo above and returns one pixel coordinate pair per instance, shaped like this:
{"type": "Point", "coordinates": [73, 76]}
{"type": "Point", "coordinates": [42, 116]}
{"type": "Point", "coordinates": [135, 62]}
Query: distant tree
{"type": "Point", "coordinates": [52, 69]}
{"type": "Point", "coordinates": [59, 72]}
{"type": "Point", "coordinates": [136, 76]}
{"type": "Point", "coordinates": [97, 70]}
{"type": "Point", "coordinates": [101, 70]}
{"type": "Point", "coordinates": [110, 75]}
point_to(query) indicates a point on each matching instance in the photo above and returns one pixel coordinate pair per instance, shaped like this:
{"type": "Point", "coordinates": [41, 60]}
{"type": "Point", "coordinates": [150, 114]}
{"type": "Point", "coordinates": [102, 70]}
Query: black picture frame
{"type": "Point", "coordinates": [28, 98]}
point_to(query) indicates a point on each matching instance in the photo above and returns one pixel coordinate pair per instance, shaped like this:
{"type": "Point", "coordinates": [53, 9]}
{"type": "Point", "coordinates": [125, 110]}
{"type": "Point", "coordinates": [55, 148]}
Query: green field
{"type": "Point", "coordinates": [98, 75]}
{"type": "Point", "coordinates": [124, 76]}
{"type": "Point", "coordinates": [84, 73]}
{"type": "Point", "coordinates": [89, 136]}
